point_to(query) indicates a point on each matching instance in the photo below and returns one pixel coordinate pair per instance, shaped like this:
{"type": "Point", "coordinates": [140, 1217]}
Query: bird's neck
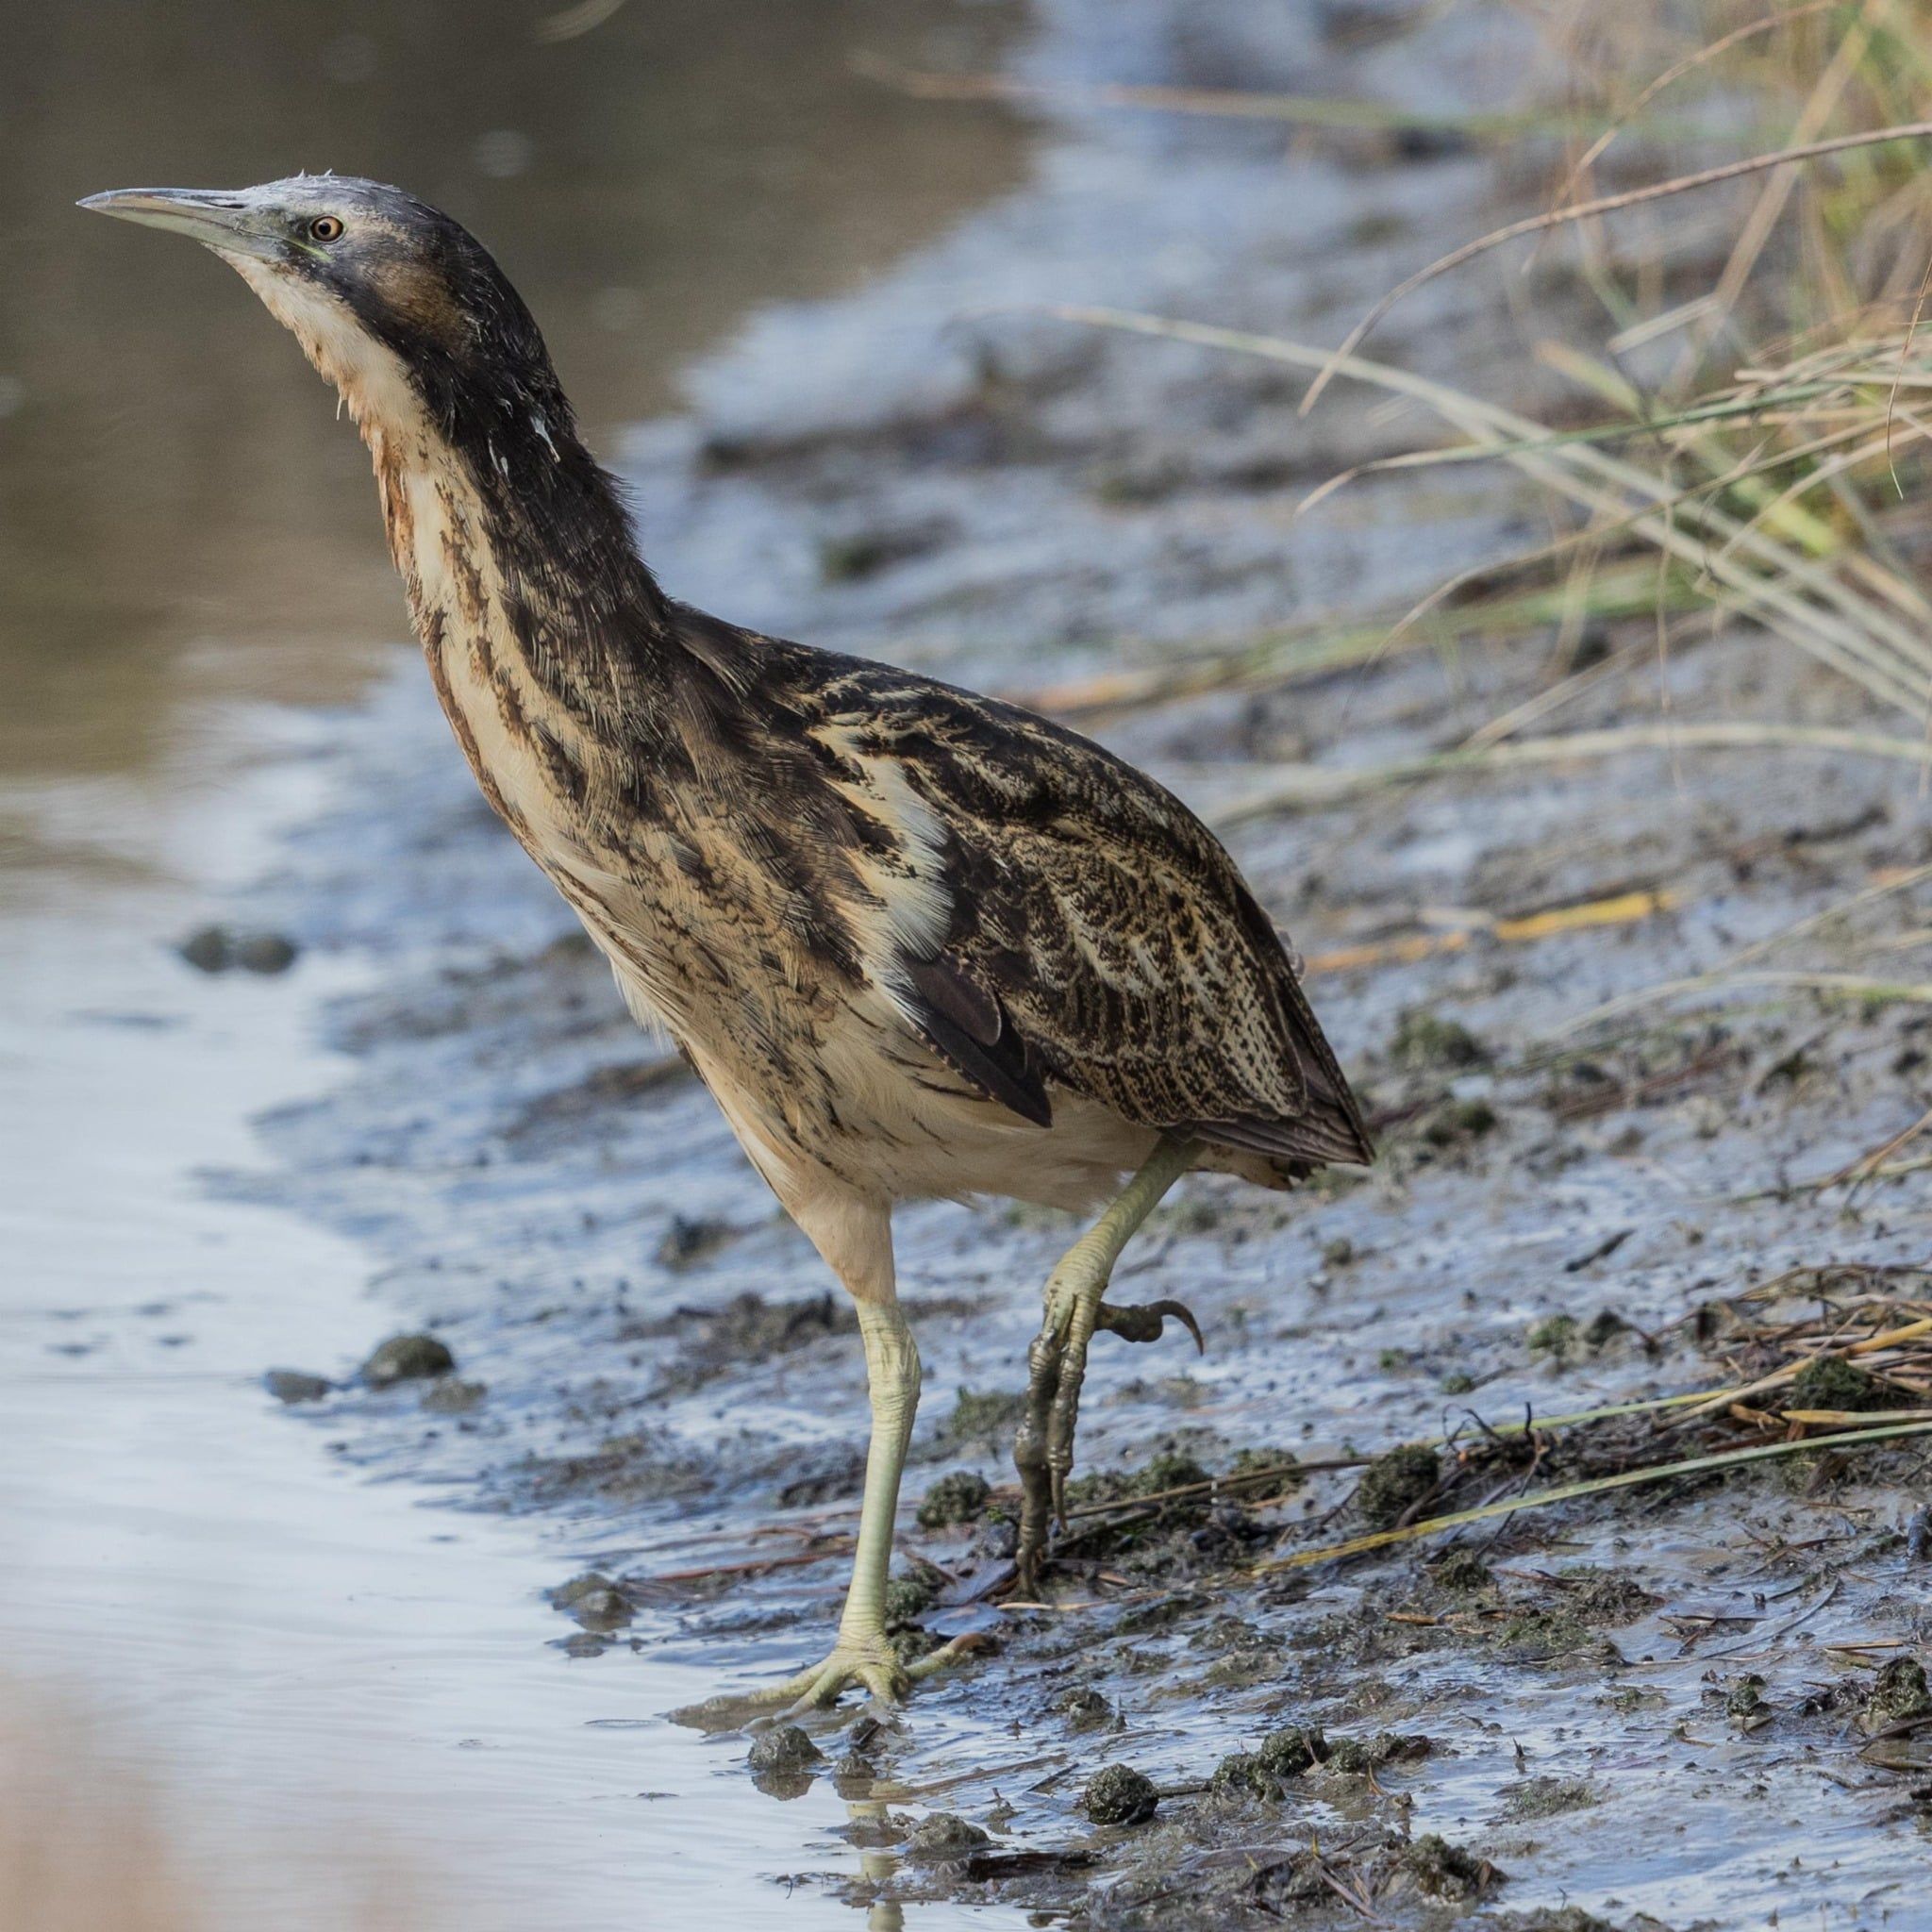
{"type": "Point", "coordinates": [509, 537]}
{"type": "Point", "coordinates": [543, 630]}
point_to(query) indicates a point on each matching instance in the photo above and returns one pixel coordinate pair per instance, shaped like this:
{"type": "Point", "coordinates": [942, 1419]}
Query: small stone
{"type": "Point", "coordinates": [785, 1748]}
{"type": "Point", "coordinates": [594, 1600]}
{"type": "Point", "coordinates": [407, 1358]}
{"type": "Point", "coordinates": [601, 1609]}
{"type": "Point", "coordinates": [453, 1396]}
{"type": "Point", "coordinates": [217, 948]}
{"type": "Point", "coordinates": [207, 949]}
{"type": "Point", "coordinates": [296, 1384]}
{"type": "Point", "coordinates": [943, 1838]}
{"type": "Point", "coordinates": [960, 1497]}
{"type": "Point", "coordinates": [1119, 1795]}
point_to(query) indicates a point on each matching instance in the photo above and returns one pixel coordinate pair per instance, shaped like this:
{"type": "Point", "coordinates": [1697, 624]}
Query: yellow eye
{"type": "Point", "coordinates": [324, 228]}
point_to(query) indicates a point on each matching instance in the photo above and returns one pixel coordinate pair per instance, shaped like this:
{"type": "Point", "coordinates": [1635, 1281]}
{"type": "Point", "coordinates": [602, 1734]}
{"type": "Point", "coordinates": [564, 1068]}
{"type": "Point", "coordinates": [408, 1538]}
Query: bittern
{"type": "Point", "coordinates": [917, 943]}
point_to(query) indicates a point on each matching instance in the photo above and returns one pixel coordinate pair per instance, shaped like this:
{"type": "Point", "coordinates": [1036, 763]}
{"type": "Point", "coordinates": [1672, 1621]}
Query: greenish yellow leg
{"type": "Point", "coordinates": [1057, 1362]}
{"type": "Point", "coordinates": [863, 1654]}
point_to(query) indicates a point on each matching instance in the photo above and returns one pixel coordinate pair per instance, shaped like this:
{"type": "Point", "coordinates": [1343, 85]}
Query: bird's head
{"type": "Point", "coordinates": [397, 305]}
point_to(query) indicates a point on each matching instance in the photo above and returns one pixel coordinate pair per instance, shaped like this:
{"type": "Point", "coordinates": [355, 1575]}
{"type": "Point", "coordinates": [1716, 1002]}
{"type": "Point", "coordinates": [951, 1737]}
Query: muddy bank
{"type": "Point", "coordinates": [1658, 1705]}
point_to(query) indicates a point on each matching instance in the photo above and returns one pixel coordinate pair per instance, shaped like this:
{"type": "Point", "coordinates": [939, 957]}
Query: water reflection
{"type": "Point", "coordinates": [174, 487]}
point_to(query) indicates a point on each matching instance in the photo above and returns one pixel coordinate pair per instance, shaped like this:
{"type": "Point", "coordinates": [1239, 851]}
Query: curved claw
{"type": "Point", "coordinates": [1145, 1321]}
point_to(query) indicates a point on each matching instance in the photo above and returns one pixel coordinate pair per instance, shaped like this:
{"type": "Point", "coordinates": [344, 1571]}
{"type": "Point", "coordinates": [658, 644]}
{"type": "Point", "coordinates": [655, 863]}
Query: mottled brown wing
{"type": "Point", "coordinates": [1100, 936]}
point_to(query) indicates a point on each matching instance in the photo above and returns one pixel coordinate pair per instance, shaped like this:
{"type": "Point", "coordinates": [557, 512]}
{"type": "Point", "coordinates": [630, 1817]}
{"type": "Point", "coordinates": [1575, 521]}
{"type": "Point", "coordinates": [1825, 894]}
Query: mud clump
{"type": "Point", "coordinates": [1899, 1693]}
{"type": "Point", "coordinates": [1084, 1709]}
{"type": "Point", "coordinates": [407, 1358]}
{"type": "Point", "coordinates": [1606, 1597]}
{"type": "Point", "coordinates": [688, 1241]}
{"type": "Point", "coordinates": [908, 1597]}
{"type": "Point", "coordinates": [1833, 1383]}
{"type": "Point", "coordinates": [1555, 1338]}
{"type": "Point", "coordinates": [1119, 1795]}
{"type": "Point", "coordinates": [1396, 1483]}
{"type": "Point", "coordinates": [979, 1422]}
{"type": "Point", "coordinates": [1169, 1470]}
{"type": "Point", "coordinates": [1547, 1797]}
{"type": "Point", "coordinates": [1358, 1757]}
{"type": "Point", "coordinates": [1264, 1772]}
{"type": "Point", "coordinates": [1462, 1572]}
{"type": "Point", "coordinates": [957, 1498]}
{"type": "Point", "coordinates": [1438, 1870]}
{"type": "Point", "coordinates": [945, 1838]}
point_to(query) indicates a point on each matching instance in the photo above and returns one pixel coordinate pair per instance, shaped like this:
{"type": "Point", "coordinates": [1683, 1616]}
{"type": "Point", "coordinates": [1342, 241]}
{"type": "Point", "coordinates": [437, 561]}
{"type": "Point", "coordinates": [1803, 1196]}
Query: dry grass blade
{"type": "Point", "coordinates": [1724, 44]}
{"type": "Point", "coordinates": [1759, 574]}
{"type": "Point", "coordinates": [1748, 955]}
{"type": "Point", "coordinates": [1587, 210]}
{"type": "Point", "coordinates": [1594, 1486]}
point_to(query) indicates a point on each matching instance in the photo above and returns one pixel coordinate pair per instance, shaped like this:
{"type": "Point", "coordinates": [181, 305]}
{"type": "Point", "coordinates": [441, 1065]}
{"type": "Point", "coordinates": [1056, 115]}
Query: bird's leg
{"type": "Point", "coordinates": [1057, 1362]}
{"type": "Point", "coordinates": [855, 1238]}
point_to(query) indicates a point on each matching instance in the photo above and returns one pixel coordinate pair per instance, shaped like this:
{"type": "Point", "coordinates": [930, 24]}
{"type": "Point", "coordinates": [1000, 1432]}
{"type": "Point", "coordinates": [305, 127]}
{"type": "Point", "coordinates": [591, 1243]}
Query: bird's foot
{"type": "Point", "coordinates": [1056, 1366]}
{"type": "Point", "coordinates": [867, 1661]}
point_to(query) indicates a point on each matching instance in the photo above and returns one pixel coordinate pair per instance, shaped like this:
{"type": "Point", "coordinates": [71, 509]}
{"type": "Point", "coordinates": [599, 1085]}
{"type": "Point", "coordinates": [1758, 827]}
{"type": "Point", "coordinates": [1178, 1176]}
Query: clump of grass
{"type": "Point", "coordinates": [1396, 1483]}
{"type": "Point", "coordinates": [1833, 1383]}
{"type": "Point", "coordinates": [1425, 1041]}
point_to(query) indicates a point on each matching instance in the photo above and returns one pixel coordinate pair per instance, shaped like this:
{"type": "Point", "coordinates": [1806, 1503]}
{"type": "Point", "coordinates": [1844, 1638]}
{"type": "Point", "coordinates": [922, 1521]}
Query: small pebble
{"type": "Point", "coordinates": [783, 1748]}
{"type": "Point", "coordinates": [944, 1836]}
{"type": "Point", "coordinates": [407, 1358]}
{"type": "Point", "coordinates": [217, 948]}
{"type": "Point", "coordinates": [296, 1384]}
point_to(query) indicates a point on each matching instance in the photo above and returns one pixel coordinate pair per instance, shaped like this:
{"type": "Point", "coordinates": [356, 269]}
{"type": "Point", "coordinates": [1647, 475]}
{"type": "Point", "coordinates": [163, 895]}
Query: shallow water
{"type": "Point", "coordinates": [330, 1675]}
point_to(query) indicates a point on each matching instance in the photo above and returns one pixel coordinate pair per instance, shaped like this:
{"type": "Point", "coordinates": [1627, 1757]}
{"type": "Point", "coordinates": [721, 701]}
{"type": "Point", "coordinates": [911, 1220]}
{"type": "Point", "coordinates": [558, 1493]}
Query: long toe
{"type": "Point", "coordinates": [1062, 1421]}
{"type": "Point", "coordinates": [1030, 1452]}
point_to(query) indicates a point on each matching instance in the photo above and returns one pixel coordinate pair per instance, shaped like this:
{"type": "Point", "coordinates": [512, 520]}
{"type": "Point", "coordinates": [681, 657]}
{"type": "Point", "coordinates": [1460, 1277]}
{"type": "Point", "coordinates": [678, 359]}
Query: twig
{"type": "Point", "coordinates": [1623, 1479]}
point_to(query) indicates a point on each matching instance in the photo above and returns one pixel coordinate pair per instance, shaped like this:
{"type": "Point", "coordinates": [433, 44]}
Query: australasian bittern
{"type": "Point", "coordinates": [918, 944]}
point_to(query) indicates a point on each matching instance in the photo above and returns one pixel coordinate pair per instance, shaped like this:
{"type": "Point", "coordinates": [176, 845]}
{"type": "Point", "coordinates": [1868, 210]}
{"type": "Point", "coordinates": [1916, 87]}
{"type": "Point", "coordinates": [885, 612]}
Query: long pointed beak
{"type": "Point", "coordinates": [222, 221]}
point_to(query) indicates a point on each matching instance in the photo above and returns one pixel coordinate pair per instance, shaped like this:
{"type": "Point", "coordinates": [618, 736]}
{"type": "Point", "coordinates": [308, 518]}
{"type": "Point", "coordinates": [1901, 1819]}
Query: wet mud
{"type": "Point", "coordinates": [1699, 1702]}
